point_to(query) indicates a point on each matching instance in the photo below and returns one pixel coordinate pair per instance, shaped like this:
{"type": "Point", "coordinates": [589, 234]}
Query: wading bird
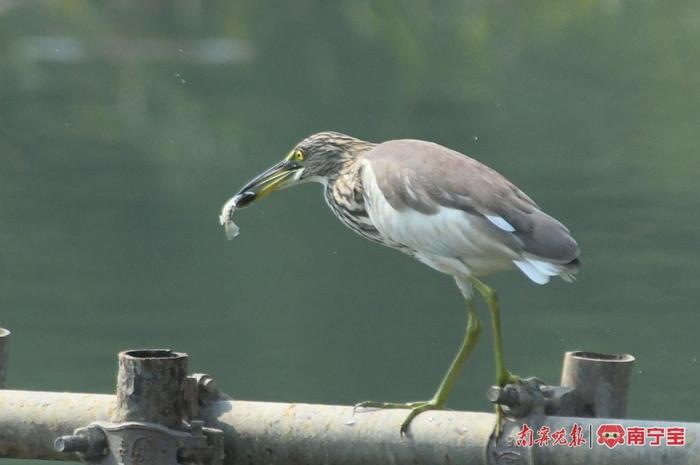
{"type": "Point", "coordinates": [439, 206]}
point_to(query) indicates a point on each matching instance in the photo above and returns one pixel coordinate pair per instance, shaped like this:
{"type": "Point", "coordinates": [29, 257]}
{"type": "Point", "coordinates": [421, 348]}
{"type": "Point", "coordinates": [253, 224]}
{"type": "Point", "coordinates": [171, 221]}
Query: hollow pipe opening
{"type": "Point", "coordinates": [152, 354]}
{"type": "Point", "coordinates": [600, 357]}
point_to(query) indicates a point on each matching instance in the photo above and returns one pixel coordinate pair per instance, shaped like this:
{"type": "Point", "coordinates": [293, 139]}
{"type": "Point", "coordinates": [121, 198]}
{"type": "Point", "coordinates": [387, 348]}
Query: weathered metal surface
{"type": "Point", "coordinates": [261, 433]}
{"type": "Point", "coordinates": [275, 433]}
{"type": "Point", "coordinates": [90, 442]}
{"type": "Point", "coordinates": [152, 386]}
{"type": "Point", "coordinates": [137, 443]}
{"type": "Point", "coordinates": [600, 383]}
{"type": "Point", "coordinates": [152, 422]}
{"type": "Point", "coordinates": [30, 421]}
{"type": "Point", "coordinates": [4, 340]}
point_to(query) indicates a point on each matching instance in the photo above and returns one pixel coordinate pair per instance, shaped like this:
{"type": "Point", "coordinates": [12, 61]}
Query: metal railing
{"type": "Point", "coordinates": [160, 415]}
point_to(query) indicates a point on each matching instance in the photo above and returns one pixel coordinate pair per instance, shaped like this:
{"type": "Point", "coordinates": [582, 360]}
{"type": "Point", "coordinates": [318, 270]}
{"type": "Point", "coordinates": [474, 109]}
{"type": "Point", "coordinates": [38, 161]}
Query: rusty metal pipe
{"type": "Point", "coordinates": [261, 432]}
{"type": "Point", "coordinates": [277, 433]}
{"type": "Point", "coordinates": [153, 384]}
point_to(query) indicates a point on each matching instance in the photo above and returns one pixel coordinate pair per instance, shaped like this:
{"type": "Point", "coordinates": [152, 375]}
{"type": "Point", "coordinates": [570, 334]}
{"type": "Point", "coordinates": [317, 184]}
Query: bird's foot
{"type": "Point", "coordinates": [506, 377]}
{"type": "Point", "coordinates": [415, 407]}
{"type": "Point", "coordinates": [503, 378]}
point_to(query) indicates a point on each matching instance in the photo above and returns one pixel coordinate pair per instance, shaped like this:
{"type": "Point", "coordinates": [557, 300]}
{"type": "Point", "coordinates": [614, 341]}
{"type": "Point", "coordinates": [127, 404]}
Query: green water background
{"type": "Point", "coordinates": [113, 169]}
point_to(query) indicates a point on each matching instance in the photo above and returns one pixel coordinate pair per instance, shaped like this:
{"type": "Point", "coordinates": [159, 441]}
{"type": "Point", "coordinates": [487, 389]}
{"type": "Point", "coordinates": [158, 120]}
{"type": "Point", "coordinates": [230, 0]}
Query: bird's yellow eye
{"type": "Point", "coordinates": [298, 155]}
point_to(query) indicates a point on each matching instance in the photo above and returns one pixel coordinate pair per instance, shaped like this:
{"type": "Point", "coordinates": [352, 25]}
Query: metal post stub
{"type": "Point", "coordinates": [4, 337]}
{"type": "Point", "coordinates": [152, 421]}
{"type": "Point", "coordinates": [152, 386]}
{"type": "Point", "coordinates": [600, 383]}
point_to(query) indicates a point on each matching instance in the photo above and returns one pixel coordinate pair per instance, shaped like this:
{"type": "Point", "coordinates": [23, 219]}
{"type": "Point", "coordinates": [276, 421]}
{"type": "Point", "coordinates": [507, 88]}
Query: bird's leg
{"type": "Point", "coordinates": [438, 400]}
{"type": "Point", "coordinates": [470, 339]}
{"type": "Point", "coordinates": [503, 376]}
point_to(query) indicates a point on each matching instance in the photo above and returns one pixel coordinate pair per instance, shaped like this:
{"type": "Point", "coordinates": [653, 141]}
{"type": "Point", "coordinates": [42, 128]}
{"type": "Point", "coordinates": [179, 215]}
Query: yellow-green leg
{"type": "Point", "coordinates": [438, 400]}
{"type": "Point", "coordinates": [503, 376]}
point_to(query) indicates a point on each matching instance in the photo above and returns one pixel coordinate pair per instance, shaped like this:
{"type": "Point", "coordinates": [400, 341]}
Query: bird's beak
{"type": "Point", "coordinates": [275, 178]}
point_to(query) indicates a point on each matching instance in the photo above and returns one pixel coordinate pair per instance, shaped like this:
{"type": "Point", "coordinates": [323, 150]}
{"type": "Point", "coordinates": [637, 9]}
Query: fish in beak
{"type": "Point", "coordinates": [279, 176]}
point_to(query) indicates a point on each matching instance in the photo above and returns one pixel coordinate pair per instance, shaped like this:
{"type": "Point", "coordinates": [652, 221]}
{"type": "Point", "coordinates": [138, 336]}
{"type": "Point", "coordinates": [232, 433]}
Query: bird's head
{"type": "Point", "coordinates": [320, 157]}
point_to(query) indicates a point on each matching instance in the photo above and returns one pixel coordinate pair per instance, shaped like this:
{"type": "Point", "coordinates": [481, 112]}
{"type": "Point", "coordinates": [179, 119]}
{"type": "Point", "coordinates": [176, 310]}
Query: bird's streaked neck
{"type": "Point", "coordinates": [343, 164]}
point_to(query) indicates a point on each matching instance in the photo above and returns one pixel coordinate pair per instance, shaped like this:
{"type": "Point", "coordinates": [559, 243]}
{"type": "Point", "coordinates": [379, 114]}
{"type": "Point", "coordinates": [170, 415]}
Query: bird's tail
{"type": "Point", "coordinates": [539, 269]}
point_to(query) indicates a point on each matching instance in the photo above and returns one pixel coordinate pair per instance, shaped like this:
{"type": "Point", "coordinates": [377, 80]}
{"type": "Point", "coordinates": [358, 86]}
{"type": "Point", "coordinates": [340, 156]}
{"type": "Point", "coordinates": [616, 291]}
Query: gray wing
{"type": "Point", "coordinates": [424, 176]}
